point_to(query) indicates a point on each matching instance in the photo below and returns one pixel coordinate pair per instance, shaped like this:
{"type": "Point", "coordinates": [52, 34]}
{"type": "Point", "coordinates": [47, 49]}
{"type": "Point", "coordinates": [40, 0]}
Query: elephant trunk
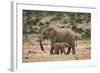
{"type": "Point", "coordinates": [41, 45]}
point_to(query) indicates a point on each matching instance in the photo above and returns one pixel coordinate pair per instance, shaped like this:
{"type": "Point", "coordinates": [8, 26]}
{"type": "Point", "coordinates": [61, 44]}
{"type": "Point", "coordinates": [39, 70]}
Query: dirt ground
{"type": "Point", "coordinates": [33, 53]}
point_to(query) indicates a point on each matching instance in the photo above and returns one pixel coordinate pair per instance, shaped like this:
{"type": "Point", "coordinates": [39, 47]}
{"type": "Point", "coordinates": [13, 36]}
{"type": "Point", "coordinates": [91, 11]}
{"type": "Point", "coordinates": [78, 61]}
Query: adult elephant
{"type": "Point", "coordinates": [58, 35]}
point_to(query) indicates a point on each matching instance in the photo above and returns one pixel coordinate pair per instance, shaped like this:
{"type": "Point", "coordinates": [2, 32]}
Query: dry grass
{"type": "Point", "coordinates": [33, 53]}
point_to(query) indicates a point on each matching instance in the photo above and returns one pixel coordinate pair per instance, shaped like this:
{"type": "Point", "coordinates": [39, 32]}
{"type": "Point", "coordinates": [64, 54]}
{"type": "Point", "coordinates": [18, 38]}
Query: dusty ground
{"type": "Point", "coordinates": [33, 53]}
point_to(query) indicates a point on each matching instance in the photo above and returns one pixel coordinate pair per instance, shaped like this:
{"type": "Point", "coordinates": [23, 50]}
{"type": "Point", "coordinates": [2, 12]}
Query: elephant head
{"type": "Point", "coordinates": [45, 34]}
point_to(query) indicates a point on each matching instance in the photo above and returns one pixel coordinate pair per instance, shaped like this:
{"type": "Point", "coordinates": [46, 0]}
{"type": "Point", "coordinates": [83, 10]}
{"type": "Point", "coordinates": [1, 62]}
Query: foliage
{"type": "Point", "coordinates": [34, 21]}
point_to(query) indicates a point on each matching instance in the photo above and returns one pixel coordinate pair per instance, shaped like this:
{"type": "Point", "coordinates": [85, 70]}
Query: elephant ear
{"type": "Point", "coordinates": [52, 32]}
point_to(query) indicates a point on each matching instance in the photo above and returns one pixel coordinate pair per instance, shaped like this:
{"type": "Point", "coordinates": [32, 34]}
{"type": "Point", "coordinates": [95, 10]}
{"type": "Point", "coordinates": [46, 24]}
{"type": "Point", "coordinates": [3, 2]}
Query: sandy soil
{"type": "Point", "coordinates": [33, 53]}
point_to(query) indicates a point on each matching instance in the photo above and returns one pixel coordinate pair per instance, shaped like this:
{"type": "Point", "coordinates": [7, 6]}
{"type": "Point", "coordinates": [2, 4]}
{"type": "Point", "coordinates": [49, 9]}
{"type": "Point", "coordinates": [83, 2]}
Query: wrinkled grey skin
{"type": "Point", "coordinates": [60, 47]}
{"type": "Point", "coordinates": [58, 35]}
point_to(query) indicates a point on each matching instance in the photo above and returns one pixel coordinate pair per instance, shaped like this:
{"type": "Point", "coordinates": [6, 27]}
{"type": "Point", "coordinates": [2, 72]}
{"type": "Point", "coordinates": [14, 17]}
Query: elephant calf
{"type": "Point", "coordinates": [60, 47]}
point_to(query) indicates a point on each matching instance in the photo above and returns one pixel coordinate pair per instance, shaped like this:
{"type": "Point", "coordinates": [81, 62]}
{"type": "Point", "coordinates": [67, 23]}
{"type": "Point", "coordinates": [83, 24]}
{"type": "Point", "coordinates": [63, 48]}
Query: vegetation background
{"type": "Point", "coordinates": [35, 21]}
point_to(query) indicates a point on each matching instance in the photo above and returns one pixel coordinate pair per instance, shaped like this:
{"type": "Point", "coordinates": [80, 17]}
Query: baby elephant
{"type": "Point", "coordinates": [60, 47]}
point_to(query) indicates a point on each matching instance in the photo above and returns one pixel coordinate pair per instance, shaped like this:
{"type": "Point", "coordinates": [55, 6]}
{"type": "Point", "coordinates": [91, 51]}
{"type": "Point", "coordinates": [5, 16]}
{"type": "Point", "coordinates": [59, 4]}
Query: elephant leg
{"type": "Point", "coordinates": [73, 50]}
{"type": "Point", "coordinates": [61, 51]}
{"type": "Point", "coordinates": [69, 49]}
{"type": "Point", "coordinates": [58, 52]}
{"type": "Point", "coordinates": [51, 50]}
{"type": "Point", "coordinates": [54, 51]}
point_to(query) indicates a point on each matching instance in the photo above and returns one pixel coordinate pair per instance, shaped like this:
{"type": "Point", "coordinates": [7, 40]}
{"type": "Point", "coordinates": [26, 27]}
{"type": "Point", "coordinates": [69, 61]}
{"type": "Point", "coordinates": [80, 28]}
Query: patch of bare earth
{"type": "Point", "coordinates": [33, 53]}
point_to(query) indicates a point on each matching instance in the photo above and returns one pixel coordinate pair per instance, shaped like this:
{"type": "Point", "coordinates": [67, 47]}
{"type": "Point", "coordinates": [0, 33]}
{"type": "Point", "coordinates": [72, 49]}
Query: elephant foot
{"type": "Point", "coordinates": [52, 53]}
{"type": "Point", "coordinates": [73, 53]}
{"type": "Point", "coordinates": [67, 53]}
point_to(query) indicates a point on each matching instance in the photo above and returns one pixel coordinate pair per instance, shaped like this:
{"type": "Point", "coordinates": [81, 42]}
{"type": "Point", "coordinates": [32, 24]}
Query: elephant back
{"type": "Point", "coordinates": [63, 35]}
